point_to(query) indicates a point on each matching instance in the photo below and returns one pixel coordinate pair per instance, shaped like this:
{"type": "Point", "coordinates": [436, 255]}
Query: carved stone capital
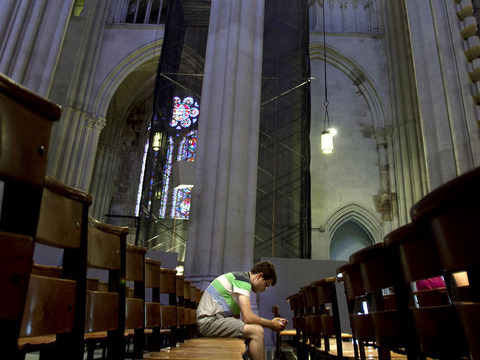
{"type": "Point", "coordinates": [95, 122]}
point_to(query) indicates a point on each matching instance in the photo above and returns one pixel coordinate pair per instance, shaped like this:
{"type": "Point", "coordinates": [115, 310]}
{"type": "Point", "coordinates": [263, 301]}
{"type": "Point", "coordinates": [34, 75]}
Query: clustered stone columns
{"type": "Point", "coordinates": [31, 37]}
{"type": "Point", "coordinates": [73, 163]}
{"type": "Point", "coordinates": [222, 218]}
{"type": "Point", "coordinates": [448, 113]}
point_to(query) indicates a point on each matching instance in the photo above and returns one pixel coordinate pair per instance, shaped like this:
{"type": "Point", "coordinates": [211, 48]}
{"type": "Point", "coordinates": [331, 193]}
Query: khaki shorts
{"type": "Point", "coordinates": [220, 326]}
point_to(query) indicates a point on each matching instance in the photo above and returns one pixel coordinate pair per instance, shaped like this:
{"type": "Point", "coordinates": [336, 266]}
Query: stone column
{"type": "Point", "coordinates": [31, 36]}
{"type": "Point", "coordinates": [101, 189]}
{"type": "Point", "coordinates": [75, 137]}
{"type": "Point", "coordinates": [222, 218]}
{"type": "Point", "coordinates": [447, 110]}
{"type": "Point", "coordinates": [75, 160]}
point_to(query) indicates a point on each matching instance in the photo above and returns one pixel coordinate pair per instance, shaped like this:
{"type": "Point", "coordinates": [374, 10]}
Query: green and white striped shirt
{"type": "Point", "coordinates": [221, 296]}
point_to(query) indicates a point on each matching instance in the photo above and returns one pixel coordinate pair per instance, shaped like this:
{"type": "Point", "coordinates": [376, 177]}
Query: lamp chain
{"type": "Point", "coordinates": [326, 103]}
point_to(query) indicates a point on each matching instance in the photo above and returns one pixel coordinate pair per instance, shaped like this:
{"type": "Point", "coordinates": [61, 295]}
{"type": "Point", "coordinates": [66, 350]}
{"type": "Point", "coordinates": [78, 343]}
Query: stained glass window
{"type": "Point", "coordinates": [180, 146]}
{"type": "Point", "coordinates": [167, 172]}
{"type": "Point", "coordinates": [142, 174]}
{"type": "Point", "coordinates": [185, 113]}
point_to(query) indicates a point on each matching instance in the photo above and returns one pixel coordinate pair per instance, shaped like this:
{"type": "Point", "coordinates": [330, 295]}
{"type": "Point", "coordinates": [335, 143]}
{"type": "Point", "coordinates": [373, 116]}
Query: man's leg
{"type": "Point", "coordinates": [254, 333]}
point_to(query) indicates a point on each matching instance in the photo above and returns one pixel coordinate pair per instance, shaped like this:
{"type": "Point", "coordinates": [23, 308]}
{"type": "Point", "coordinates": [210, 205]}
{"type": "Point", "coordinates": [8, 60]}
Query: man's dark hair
{"type": "Point", "coordinates": [268, 270]}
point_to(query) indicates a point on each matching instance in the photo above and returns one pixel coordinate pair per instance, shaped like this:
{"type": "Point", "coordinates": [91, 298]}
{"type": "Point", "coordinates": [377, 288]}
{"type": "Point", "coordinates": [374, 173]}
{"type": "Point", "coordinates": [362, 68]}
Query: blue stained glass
{"type": "Point", "coordinates": [184, 114]}
{"type": "Point", "coordinates": [188, 146]}
{"type": "Point", "coordinates": [181, 208]}
{"type": "Point", "coordinates": [167, 171]}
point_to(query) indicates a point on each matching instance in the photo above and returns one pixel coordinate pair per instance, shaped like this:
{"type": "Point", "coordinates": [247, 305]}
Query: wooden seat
{"type": "Point", "coordinates": [168, 308]}
{"type": "Point", "coordinates": [438, 326]}
{"type": "Point", "coordinates": [26, 121]}
{"type": "Point", "coordinates": [327, 299]}
{"type": "Point", "coordinates": [54, 307]}
{"type": "Point", "coordinates": [312, 326]}
{"type": "Point", "coordinates": [295, 307]}
{"type": "Point", "coordinates": [190, 313]}
{"type": "Point", "coordinates": [288, 334]}
{"type": "Point", "coordinates": [393, 323]}
{"type": "Point", "coordinates": [180, 295]}
{"type": "Point", "coordinates": [105, 310]}
{"type": "Point", "coordinates": [203, 349]}
{"type": "Point", "coordinates": [360, 320]}
{"type": "Point", "coordinates": [15, 264]}
{"type": "Point", "coordinates": [134, 310]}
{"type": "Point", "coordinates": [152, 304]}
{"type": "Point", "coordinates": [452, 212]}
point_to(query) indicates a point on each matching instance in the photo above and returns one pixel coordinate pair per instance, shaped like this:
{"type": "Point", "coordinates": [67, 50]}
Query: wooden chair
{"type": "Point", "coordinates": [26, 121]}
{"type": "Point", "coordinates": [357, 303]}
{"type": "Point", "coordinates": [180, 292]}
{"type": "Point", "coordinates": [105, 310]}
{"type": "Point", "coordinates": [288, 334]}
{"type": "Point", "coordinates": [295, 307]}
{"type": "Point", "coordinates": [53, 319]}
{"type": "Point", "coordinates": [452, 212]}
{"type": "Point", "coordinates": [16, 265]}
{"type": "Point", "coordinates": [330, 318]}
{"type": "Point", "coordinates": [438, 326]}
{"type": "Point", "coordinates": [168, 308]}
{"type": "Point", "coordinates": [313, 321]}
{"type": "Point", "coordinates": [190, 313]}
{"type": "Point", "coordinates": [393, 323]}
{"type": "Point", "coordinates": [134, 310]}
{"type": "Point", "coordinates": [152, 304]}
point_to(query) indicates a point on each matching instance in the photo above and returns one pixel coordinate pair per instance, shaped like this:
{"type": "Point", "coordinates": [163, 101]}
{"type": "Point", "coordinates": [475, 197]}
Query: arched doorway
{"type": "Point", "coordinates": [347, 239]}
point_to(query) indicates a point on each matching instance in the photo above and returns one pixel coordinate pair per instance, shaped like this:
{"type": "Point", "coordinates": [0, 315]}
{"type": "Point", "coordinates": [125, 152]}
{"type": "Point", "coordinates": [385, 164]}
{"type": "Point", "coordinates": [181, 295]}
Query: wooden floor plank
{"type": "Point", "coordinates": [202, 349]}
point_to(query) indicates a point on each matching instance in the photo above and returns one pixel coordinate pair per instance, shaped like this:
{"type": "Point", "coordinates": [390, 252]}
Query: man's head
{"type": "Point", "coordinates": [267, 272]}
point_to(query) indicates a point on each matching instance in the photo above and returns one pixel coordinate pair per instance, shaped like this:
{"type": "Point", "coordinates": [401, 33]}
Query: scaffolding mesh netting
{"type": "Point", "coordinates": [283, 190]}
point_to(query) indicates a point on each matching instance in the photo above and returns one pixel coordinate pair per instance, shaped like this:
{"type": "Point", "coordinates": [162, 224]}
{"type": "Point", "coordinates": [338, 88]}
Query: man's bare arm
{"type": "Point", "coordinates": [249, 317]}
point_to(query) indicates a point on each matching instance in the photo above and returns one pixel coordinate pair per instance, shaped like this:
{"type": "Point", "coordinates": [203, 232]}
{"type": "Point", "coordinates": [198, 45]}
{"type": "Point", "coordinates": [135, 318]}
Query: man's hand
{"type": "Point", "coordinates": [278, 324]}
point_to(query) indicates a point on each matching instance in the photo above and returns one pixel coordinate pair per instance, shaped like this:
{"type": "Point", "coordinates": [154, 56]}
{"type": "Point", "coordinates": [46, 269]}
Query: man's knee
{"type": "Point", "coordinates": [253, 331]}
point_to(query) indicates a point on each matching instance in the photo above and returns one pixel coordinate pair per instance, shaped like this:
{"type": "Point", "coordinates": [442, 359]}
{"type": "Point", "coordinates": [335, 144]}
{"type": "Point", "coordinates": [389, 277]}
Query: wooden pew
{"type": "Point", "coordinates": [180, 295]}
{"type": "Point", "coordinates": [452, 212]}
{"type": "Point", "coordinates": [168, 308]}
{"type": "Point", "coordinates": [16, 265]}
{"type": "Point", "coordinates": [360, 321]}
{"type": "Point", "coordinates": [294, 301]}
{"type": "Point", "coordinates": [26, 121]}
{"type": "Point", "coordinates": [438, 326]}
{"type": "Point", "coordinates": [134, 307]}
{"type": "Point", "coordinates": [105, 310]}
{"type": "Point", "coordinates": [394, 327]}
{"type": "Point", "coordinates": [289, 334]}
{"type": "Point", "coordinates": [328, 303]}
{"type": "Point", "coordinates": [152, 305]}
{"type": "Point", "coordinates": [53, 319]}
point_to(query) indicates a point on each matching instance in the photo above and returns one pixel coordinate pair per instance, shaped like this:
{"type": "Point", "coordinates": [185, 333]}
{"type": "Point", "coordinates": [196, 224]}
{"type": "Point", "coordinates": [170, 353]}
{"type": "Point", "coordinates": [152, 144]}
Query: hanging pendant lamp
{"type": "Point", "coordinates": [326, 139]}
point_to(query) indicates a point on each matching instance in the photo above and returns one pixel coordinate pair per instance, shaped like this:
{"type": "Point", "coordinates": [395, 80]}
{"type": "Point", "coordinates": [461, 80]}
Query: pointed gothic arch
{"type": "Point", "coordinates": [361, 216]}
{"type": "Point", "coordinates": [358, 76]}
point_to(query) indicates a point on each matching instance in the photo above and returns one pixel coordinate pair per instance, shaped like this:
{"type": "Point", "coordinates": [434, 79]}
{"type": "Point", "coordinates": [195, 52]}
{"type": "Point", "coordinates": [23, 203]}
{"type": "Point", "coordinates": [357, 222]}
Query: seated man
{"type": "Point", "coordinates": [227, 297]}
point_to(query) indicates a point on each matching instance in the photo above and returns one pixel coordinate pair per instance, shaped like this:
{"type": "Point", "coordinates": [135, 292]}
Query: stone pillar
{"type": "Point", "coordinates": [101, 189]}
{"type": "Point", "coordinates": [31, 36]}
{"type": "Point", "coordinates": [74, 161]}
{"type": "Point", "coordinates": [447, 110]}
{"type": "Point", "coordinates": [222, 218]}
{"type": "Point", "coordinates": [75, 137]}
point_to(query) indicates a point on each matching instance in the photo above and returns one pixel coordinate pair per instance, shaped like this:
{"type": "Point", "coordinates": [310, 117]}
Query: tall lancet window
{"type": "Point", "coordinates": [182, 143]}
